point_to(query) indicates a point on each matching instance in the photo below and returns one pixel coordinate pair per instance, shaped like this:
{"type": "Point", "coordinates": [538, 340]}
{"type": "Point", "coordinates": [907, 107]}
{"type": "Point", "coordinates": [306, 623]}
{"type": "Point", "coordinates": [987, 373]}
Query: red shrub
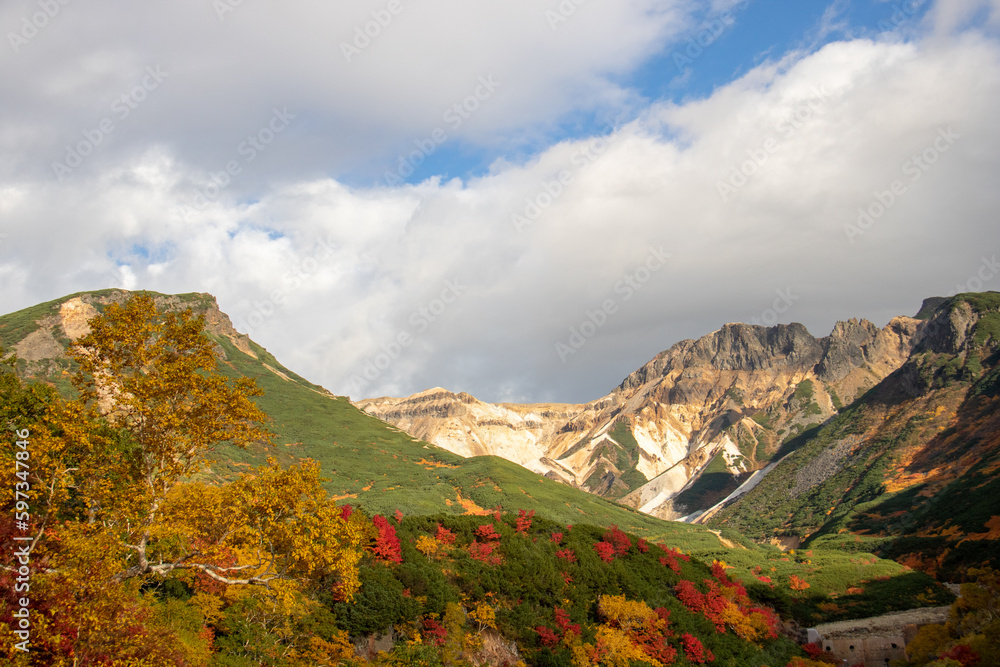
{"type": "Point", "coordinates": [814, 650]}
{"type": "Point", "coordinates": [483, 552]}
{"type": "Point", "coordinates": [963, 654]}
{"type": "Point", "coordinates": [694, 651]}
{"type": "Point", "coordinates": [435, 631]}
{"type": "Point", "coordinates": [549, 638]}
{"type": "Point", "coordinates": [689, 596]}
{"type": "Point", "coordinates": [619, 540]}
{"type": "Point", "coordinates": [562, 620]}
{"type": "Point", "coordinates": [444, 536]}
{"type": "Point", "coordinates": [487, 531]}
{"type": "Point", "coordinates": [387, 546]}
{"type": "Point", "coordinates": [567, 555]}
{"type": "Point", "coordinates": [605, 551]}
{"type": "Point", "coordinates": [671, 562]}
{"type": "Point", "coordinates": [556, 537]}
{"type": "Point", "coordinates": [524, 520]}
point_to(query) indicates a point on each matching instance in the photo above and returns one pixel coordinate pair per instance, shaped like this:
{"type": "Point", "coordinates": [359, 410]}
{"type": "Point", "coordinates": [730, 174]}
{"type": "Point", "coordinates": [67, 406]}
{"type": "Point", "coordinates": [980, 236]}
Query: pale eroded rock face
{"type": "Point", "coordinates": [38, 346]}
{"type": "Point", "coordinates": [75, 315]}
{"type": "Point", "coordinates": [681, 410]}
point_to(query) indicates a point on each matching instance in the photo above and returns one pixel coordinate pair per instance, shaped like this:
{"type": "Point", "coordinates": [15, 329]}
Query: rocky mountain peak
{"type": "Point", "coordinates": [950, 328]}
{"type": "Point", "coordinates": [745, 347]}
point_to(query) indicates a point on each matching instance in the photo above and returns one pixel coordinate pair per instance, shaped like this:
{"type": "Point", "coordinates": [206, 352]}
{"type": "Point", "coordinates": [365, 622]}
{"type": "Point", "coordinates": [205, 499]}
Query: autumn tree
{"type": "Point", "coordinates": [155, 377]}
{"type": "Point", "coordinates": [118, 511]}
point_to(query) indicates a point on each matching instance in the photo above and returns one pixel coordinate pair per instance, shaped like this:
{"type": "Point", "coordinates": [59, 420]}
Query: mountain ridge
{"type": "Point", "coordinates": [913, 470]}
{"type": "Point", "coordinates": [675, 413]}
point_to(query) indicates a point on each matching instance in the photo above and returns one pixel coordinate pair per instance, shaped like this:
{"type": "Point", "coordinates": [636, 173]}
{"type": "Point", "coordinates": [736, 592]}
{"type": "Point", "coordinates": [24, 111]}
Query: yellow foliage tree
{"type": "Point", "coordinates": [113, 506]}
{"type": "Point", "coordinates": [271, 524]}
{"type": "Point", "coordinates": [485, 616]}
{"type": "Point", "coordinates": [428, 546]}
{"type": "Point", "coordinates": [155, 378]}
{"type": "Point", "coordinates": [626, 614]}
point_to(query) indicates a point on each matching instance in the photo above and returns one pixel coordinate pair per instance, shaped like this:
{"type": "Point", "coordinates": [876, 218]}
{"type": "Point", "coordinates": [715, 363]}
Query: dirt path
{"type": "Point", "coordinates": [726, 543]}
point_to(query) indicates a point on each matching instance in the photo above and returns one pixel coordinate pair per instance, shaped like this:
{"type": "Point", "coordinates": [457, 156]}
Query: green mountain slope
{"type": "Point", "coordinates": [911, 469]}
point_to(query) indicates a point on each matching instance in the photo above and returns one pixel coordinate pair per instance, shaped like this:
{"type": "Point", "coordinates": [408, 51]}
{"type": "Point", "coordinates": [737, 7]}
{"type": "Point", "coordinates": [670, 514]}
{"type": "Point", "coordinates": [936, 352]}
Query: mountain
{"type": "Point", "coordinates": [682, 432]}
{"type": "Point", "coordinates": [910, 470]}
{"type": "Point", "coordinates": [367, 462]}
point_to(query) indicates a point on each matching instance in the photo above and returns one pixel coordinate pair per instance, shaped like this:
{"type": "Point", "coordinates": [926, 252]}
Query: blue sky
{"type": "Point", "coordinates": [774, 172]}
{"type": "Point", "coordinates": [718, 48]}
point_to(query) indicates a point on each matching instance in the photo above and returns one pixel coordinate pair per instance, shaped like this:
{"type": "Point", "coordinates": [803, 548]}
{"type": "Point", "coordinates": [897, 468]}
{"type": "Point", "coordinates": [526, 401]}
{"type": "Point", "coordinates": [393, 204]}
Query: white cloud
{"type": "Point", "coordinates": [329, 277]}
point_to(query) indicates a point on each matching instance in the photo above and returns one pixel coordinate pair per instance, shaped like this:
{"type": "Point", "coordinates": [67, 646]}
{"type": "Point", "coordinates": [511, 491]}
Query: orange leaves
{"type": "Point", "coordinates": [484, 615]}
{"type": "Point", "coordinates": [796, 583]}
{"type": "Point", "coordinates": [632, 632]}
{"type": "Point", "coordinates": [273, 524]}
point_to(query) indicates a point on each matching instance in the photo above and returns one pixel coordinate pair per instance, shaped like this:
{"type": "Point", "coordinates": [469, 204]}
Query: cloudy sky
{"type": "Point", "coordinates": [521, 199]}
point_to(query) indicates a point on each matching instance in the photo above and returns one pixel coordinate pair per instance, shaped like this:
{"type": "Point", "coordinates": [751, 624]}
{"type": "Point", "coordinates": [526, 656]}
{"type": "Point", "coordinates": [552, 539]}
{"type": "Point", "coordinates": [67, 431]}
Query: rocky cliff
{"type": "Point", "coordinates": [680, 433]}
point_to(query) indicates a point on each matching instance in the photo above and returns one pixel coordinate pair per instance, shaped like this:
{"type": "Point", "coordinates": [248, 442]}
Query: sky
{"type": "Point", "coordinates": [525, 200]}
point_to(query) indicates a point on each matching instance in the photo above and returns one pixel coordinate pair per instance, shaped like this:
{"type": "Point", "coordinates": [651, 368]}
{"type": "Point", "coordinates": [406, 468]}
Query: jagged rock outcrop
{"type": "Point", "coordinates": [725, 401]}
{"type": "Point", "coordinates": [911, 470]}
